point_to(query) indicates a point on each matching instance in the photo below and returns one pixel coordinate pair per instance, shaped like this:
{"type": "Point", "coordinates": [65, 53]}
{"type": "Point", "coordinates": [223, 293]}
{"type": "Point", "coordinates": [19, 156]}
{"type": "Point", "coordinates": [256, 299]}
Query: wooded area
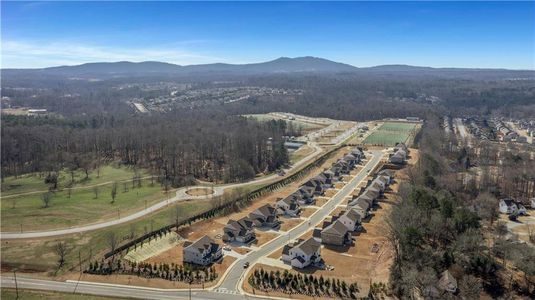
{"type": "Point", "coordinates": [447, 224]}
{"type": "Point", "coordinates": [176, 147]}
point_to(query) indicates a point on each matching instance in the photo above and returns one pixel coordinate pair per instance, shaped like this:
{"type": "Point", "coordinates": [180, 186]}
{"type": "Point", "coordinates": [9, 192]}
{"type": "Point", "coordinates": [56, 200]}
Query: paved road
{"type": "Point", "coordinates": [180, 195]}
{"type": "Point", "coordinates": [115, 290]}
{"type": "Point", "coordinates": [461, 129]}
{"type": "Point", "coordinates": [230, 288]}
{"type": "Point", "coordinates": [236, 273]}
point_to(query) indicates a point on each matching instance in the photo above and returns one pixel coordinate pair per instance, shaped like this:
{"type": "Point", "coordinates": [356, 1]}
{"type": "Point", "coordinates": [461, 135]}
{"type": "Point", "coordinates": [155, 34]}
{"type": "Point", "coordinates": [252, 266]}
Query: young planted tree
{"type": "Point", "coordinates": [46, 198]}
{"type": "Point", "coordinates": [113, 192]}
{"type": "Point", "coordinates": [96, 191]}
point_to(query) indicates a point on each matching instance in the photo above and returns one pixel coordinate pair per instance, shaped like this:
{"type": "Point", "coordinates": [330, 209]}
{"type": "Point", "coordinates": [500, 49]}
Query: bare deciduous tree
{"type": "Point", "coordinates": [60, 248]}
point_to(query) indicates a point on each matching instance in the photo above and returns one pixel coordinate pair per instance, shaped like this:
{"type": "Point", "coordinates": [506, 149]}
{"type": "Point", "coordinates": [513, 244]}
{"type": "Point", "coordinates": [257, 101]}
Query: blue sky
{"type": "Point", "coordinates": [438, 34]}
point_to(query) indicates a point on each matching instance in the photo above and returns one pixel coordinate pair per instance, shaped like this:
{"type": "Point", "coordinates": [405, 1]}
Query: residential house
{"type": "Point", "coordinates": [288, 206]}
{"type": "Point", "coordinates": [362, 205]}
{"type": "Point", "coordinates": [304, 196]}
{"type": "Point", "coordinates": [329, 178]}
{"type": "Point", "coordinates": [507, 206]}
{"type": "Point", "coordinates": [389, 174]}
{"type": "Point", "coordinates": [447, 282]}
{"type": "Point", "coordinates": [335, 234]}
{"type": "Point", "coordinates": [239, 231]}
{"type": "Point", "coordinates": [378, 186]}
{"type": "Point", "coordinates": [302, 253]}
{"type": "Point", "coordinates": [307, 192]}
{"type": "Point", "coordinates": [350, 160]}
{"type": "Point", "coordinates": [265, 216]}
{"type": "Point", "coordinates": [336, 171]}
{"type": "Point", "coordinates": [318, 183]}
{"type": "Point", "coordinates": [397, 159]}
{"type": "Point", "coordinates": [357, 153]}
{"type": "Point", "coordinates": [372, 193]}
{"type": "Point", "coordinates": [203, 251]}
{"type": "Point", "coordinates": [342, 166]}
{"type": "Point", "coordinates": [351, 219]}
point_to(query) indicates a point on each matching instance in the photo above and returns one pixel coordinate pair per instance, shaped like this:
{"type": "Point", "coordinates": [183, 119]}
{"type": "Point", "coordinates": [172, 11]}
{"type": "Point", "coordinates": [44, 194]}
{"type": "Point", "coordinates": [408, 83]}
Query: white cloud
{"type": "Point", "coordinates": [22, 54]}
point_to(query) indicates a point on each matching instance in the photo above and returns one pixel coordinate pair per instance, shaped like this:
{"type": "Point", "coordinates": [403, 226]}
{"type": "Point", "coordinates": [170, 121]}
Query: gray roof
{"type": "Point", "coordinates": [337, 228]}
{"type": "Point", "coordinates": [202, 244]}
{"type": "Point", "coordinates": [265, 210]}
{"type": "Point", "coordinates": [352, 215]}
{"type": "Point", "coordinates": [242, 225]}
{"type": "Point", "coordinates": [386, 172]}
{"type": "Point", "coordinates": [309, 246]}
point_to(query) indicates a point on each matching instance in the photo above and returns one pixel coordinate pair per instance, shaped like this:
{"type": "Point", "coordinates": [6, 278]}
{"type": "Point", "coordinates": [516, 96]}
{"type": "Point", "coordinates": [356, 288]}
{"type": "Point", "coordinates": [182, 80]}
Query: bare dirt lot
{"type": "Point", "coordinates": [307, 212]}
{"type": "Point", "coordinates": [171, 256]}
{"type": "Point", "coordinates": [288, 223]}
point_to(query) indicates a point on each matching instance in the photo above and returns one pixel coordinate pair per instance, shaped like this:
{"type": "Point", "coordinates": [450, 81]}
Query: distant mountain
{"type": "Point", "coordinates": [280, 65]}
{"type": "Point", "coordinates": [115, 67]}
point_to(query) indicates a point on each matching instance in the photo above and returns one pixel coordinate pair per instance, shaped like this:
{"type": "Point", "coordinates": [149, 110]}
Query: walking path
{"type": "Point", "coordinates": [180, 195]}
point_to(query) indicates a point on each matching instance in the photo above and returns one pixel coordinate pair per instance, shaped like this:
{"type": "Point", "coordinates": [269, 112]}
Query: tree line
{"type": "Point", "coordinates": [177, 147]}
{"type": "Point", "coordinates": [291, 283]}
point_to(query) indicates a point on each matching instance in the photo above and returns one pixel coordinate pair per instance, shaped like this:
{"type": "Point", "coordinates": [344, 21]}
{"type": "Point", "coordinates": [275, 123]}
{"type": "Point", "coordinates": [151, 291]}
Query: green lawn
{"type": "Point", "coordinates": [390, 133]}
{"type": "Point", "coordinates": [36, 182]}
{"type": "Point", "coordinates": [9, 294]}
{"type": "Point", "coordinates": [38, 255]}
{"type": "Point", "coordinates": [82, 207]}
{"type": "Point", "coordinates": [295, 123]}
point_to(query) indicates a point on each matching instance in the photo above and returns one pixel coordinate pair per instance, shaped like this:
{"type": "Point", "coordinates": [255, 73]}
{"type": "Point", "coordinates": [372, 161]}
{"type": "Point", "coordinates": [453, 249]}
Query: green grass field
{"type": "Point", "coordinates": [390, 133]}
{"type": "Point", "coordinates": [9, 294]}
{"type": "Point", "coordinates": [36, 182]}
{"type": "Point", "coordinates": [82, 207]}
{"type": "Point", "coordinates": [296, 124]}
{"type": "Point", "coordinates": [38, 255]}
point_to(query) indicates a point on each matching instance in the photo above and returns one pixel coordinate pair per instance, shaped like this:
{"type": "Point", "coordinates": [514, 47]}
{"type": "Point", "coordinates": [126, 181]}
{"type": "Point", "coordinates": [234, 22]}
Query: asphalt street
{"type": "Point", "coordinates": [229, 288]}
{"type": "Point", "coordinates": [237, 272]}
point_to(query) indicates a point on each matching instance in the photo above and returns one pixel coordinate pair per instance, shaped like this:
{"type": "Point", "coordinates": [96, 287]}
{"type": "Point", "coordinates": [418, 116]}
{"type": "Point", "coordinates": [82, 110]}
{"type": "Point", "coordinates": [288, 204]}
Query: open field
{"type": "Point", "coordinates": [391, 133]}
{"type": "Point", "coordinates": [8, 294]}
{"type": "Point", "coordinates": [297, 124]}
{"type": "Point", "coordinates": [37, 256]}
{"type": "Point", "coordinates": [82, 206]}
{"type": "Point", "coordinates": [36, 181]}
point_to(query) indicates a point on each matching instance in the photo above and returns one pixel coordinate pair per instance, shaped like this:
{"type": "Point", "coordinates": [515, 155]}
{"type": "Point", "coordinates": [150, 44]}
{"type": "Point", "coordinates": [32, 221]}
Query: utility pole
{"type": "Point", "coordinates": [80, 261]}
{"type": "Point", "coordinates": [16, 285]}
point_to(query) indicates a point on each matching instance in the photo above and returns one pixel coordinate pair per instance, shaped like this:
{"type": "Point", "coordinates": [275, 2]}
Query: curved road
{"type": "Point", "coordinates": [181, 195]}
{"type": "Point", "coordinates": [236, 273]}
{"type": "Point", "coordinates": [230, 285]}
